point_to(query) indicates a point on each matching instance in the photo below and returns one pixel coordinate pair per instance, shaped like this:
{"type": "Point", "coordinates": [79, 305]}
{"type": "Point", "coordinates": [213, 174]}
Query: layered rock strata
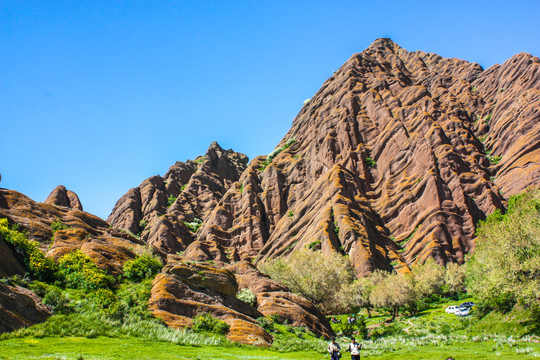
{"type": "Point", "coordinates": [184, 290]}
{"type": "Point", "coordinates": [161, 209]}
{"type": "Point", "coordinates": [109, 248]}
{"type": "Point", "coordinates": [393, 161]}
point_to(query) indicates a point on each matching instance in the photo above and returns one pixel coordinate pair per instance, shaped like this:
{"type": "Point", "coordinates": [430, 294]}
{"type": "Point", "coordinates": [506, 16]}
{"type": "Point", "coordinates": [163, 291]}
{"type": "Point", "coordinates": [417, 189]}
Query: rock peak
{"type": "Point", "coordinates": [60, 196]}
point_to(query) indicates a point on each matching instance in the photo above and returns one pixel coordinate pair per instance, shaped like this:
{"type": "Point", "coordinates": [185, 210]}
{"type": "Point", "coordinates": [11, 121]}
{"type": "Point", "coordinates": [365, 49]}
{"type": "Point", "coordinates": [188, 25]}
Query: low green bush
{"type": "Point", "coordinates": [58, 225]}
{"type": "Point", "coordinates": [77, 271]}
{"type": "Point", "coordinates": [247, 296]}
{"type": "Point", "coordinates": [142, 267]}
{"type": "Point", "coordinates": [170, 200]}
{"type": "Point", "coordinates": [194, 225]}
{"type": "Point", "coordinates": [208, 323]}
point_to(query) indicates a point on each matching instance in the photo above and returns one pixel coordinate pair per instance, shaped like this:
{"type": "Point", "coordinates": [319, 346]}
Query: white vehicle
{"type": "Point", "coordinates": [452, 309]}
{"type": "Point", "coordinates": [463, 312]}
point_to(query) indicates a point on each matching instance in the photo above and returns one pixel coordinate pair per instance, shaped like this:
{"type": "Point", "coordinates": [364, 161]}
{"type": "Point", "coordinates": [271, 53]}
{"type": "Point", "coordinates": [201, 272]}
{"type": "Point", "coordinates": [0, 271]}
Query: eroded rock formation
{"type": "Point", "coordinates": [20, 307]}
{"type": "Point", "coordinates": [184, 290]}
{"type": "Point", "coordinates": [161, 206]}
{"type": "Point", "coordinates": [108, 247]}
{"type": "Point", "coordinates": [60, 196]}
{"type": "Point", "coordinates": [393, 161]}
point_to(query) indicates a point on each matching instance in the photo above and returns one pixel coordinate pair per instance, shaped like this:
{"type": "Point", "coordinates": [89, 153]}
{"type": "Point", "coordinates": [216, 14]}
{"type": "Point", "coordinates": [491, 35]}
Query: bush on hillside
{"type": "Point", "coordinates": [247, 296]}
{"type": "Point", "coordinates": [77, 271]}
{"type": "Point", "coordinates": [39, 266]}
{"type": "Point", "coordinates": [208, 323]}
{"type": "Point", "coordinates": [142, 267]}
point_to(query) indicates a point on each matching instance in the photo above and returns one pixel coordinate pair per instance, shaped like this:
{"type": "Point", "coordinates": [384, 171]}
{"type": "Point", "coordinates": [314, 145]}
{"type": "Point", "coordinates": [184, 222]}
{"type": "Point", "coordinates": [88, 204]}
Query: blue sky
{"type": "Point", "coordinates": [98, 96]}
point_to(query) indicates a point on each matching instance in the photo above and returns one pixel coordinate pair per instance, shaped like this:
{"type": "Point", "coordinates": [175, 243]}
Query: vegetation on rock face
{"type": "Point", "coordinates": [77, 271]}
{"type": "Point", "coordinates": [370, 162]}
{"type": "Point", "coordinates": [39, 266]}
{"type": "Point", "coordinates": [170, 200]}
{"type": "Point", "coordinates": [194, 225]}
{"type": "Point", "coordinates": [208, 323]}
{"type": "Point", "coordinates": [58, 225]}
{"type": "Point", "coordinates": [505, 268]}
{"type": "Point", "coordinates": [275, 152]}
{"type": "Point", "coordinates": [247, 296]}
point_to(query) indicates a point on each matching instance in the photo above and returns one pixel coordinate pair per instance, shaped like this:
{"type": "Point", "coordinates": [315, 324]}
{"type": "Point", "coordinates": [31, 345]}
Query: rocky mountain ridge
{"type": "Point", "coordinates": [392, 162]}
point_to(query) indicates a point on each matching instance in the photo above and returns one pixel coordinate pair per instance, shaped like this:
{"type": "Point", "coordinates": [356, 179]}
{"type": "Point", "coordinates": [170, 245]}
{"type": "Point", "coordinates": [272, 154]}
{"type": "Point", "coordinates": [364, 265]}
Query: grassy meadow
{"type": "Point", "coordinates": [432, 334]}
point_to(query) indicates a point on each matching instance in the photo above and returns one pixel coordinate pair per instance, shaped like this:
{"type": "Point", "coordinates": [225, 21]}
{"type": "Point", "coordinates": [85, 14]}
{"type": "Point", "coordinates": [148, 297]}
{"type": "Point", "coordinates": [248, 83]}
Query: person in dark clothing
{"type": "Point", "coordinates": [354, 348]}
{"type": "Point", "coordinates": [334, 350]}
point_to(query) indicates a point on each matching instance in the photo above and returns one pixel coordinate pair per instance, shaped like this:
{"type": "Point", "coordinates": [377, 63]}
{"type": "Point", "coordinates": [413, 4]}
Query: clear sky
{"type": "Point", "coordinates": [99, 95]}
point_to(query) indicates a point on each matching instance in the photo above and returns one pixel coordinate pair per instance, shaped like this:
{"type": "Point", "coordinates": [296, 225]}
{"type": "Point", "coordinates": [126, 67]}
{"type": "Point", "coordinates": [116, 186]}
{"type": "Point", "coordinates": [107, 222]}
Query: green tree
{"type": "Point", "coordinates": [314, 275]}
{"type": "Point", "coordinates": [395, 291]}
{"type": "Point", "coordinates": [505, 267]}
{"type": "Point", "coordinates": [428, 278]}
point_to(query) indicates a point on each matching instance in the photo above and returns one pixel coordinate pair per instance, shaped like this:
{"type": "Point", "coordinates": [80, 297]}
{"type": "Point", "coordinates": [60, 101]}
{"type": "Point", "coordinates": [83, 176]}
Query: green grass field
{"type": "Point", "coordinates": [134, 348]}
{"type": "Point", "coordinates": [432, 334]}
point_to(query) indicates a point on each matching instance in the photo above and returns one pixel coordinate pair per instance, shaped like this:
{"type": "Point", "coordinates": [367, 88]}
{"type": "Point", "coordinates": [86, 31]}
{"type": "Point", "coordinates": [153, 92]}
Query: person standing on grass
{"type": "Point", "coordinates": [354, 348]}
{"type": "Point", "coordinates": [334, 350]}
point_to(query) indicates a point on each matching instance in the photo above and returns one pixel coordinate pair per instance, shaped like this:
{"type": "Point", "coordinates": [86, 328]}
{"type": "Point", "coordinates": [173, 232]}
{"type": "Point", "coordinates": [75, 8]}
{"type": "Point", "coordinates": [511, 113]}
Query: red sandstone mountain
{"type": "Point", "coordinates": [393, 161]}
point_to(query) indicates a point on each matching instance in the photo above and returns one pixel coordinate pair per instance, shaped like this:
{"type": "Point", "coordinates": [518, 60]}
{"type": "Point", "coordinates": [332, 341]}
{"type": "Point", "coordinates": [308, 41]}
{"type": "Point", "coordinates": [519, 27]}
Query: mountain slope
{"type": "Point", "coordinates": [393, 161]}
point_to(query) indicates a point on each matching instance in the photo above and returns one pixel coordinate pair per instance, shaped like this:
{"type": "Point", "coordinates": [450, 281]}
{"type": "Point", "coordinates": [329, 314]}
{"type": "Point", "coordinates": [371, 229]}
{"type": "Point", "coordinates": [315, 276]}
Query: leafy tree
{"type": "Point", "coordinates": [428, 278]}
{"type": "Point", "coordinates": [454, 279]}
{"type": "Point", "coordinates": [505, 267]}
{"type": "Point", "coordinates": [314, 275]}
{"type": "Point", "coordinates": [356, 295]}
{"type": "Point", "coordinates": [395, 291]}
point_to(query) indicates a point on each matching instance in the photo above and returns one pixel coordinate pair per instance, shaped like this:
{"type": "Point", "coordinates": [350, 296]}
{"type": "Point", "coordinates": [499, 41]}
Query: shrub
{"type": "Point", "coordinates": [314, 245]}
{"type": "Point", "coordinates": [306, 101]}
{"type": "Point", "coordinates": [289, 143]}
{"type": "Point", "coordinates": [77, 271]}
{"type": "Point", "coordinates": [142, 224]}
{"type": "Point", "coordinates": [208, 323]}
{"type": "Point", "coordinates": [39, 266]}
{"type": "Point", "coordinates": [58, 225]}
{"type": "Point", "coordinates": [55, 298]}
{"type": "Point", "coordinates": [170, 200]}
{"type": "Point", "coordinates": [194, 225]}
{"type": "Point", "coordinates": [142, 267]}
{"type": "Point", "coordinates": [267, 324]}
{"type": "Point", "coordinates": [370, 162]}
{"type": "Point", "coordinates": [247, 296]}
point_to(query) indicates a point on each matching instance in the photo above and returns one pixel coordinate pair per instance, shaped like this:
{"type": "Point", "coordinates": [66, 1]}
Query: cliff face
{"type": "Point", "coordinates": [161, 209]}
{"type": "Point", "coordinates": [393, 161]}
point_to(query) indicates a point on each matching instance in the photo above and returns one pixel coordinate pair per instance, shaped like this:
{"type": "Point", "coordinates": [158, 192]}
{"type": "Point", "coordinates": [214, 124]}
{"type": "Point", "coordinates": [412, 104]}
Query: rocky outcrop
{"type": "Point", "coordinates": [20, 307]}
{"type": "Point", "coordinates": [393, 161]}
{"type": "Point", "coordinates": [275, 299]}
{"type": "Point", "coordinates": [185, 290]}
{"type": "Point", "coordinates": [60, 196]}
{"type": "Point", "coordinates": [9, 264]}
{"type": "Point", "coordinates": [161, 206]}
{"type": "Point", "coordinates": [108, 247]}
